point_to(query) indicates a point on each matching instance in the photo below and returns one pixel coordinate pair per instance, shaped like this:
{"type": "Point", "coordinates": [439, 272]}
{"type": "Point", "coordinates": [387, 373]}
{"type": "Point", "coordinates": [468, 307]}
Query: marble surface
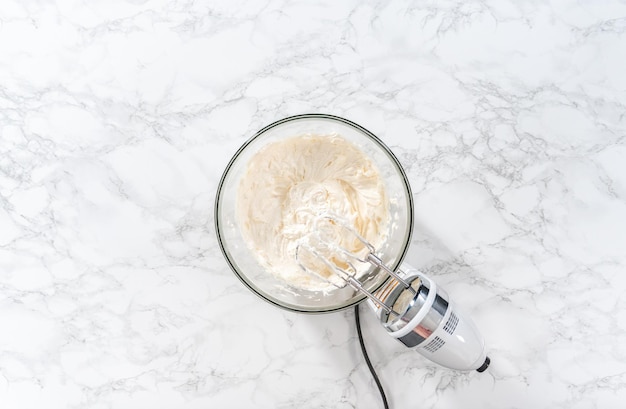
{"type": "Point", "coordinates": [118, 117]}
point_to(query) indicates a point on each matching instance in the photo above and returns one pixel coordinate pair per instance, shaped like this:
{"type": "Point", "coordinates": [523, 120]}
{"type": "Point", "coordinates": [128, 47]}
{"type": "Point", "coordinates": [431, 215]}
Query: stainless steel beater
{"type": "Point", "coordinates": [318, 239]}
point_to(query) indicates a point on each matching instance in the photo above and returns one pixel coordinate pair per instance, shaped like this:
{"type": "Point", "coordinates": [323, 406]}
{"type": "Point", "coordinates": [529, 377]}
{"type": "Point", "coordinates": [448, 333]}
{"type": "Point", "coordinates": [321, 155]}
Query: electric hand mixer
{"type": "Point", "coordinates": [409, 305]}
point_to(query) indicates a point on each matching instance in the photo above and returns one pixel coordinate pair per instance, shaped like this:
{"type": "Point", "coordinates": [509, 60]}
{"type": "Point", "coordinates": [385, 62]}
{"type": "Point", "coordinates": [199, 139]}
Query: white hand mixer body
{"type": "Point", "coordinates": [432, 324]}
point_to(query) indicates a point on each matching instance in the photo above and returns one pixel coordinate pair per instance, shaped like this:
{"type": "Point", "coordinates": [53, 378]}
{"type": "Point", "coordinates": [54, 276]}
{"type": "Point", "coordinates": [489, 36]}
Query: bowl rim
{"type": "Point", "coordinates": [242, 148]}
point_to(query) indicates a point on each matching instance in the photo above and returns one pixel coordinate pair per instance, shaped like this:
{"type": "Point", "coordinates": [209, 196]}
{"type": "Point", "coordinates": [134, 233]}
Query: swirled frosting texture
{"type": "Point", "coordinates": [288, 184]}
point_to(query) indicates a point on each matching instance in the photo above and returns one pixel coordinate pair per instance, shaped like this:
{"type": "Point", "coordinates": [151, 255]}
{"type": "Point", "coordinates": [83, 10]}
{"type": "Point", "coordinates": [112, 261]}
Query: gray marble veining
{"type": "Point", "coordinates": [117, 119]}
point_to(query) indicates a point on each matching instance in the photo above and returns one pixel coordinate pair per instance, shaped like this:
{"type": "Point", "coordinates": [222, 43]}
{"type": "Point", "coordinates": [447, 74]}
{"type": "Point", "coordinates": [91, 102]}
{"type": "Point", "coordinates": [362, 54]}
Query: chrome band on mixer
{"type": "Point", "coordinates": [430, 322]}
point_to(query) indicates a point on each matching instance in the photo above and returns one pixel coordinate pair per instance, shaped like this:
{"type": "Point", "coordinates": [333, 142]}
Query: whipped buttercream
{"type": "Point", "coordinates": [287, 186]}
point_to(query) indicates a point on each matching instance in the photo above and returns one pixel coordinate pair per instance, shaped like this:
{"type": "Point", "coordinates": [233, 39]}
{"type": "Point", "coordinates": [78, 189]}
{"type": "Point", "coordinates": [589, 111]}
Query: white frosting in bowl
{"type": "Point", "coordinates": [286, 187]}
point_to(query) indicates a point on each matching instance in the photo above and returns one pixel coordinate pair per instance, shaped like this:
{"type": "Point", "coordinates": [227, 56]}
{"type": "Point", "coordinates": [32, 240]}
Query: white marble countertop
{"type": "Point", "coordinates": [117, 119]}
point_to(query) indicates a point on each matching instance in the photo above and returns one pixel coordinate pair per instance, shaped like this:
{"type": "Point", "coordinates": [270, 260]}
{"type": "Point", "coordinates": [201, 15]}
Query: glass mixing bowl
{"type": "Point", "coordinates": [243, 261]}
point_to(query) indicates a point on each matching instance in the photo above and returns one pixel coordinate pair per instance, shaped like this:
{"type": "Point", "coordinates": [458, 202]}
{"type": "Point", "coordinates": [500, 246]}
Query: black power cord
{"type": "Point", "coordinates": [367, 358]}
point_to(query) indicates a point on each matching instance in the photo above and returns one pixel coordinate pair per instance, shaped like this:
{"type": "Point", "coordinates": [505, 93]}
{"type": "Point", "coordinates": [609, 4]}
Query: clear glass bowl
{"type": "Point", "coordinates": [244, 263]}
